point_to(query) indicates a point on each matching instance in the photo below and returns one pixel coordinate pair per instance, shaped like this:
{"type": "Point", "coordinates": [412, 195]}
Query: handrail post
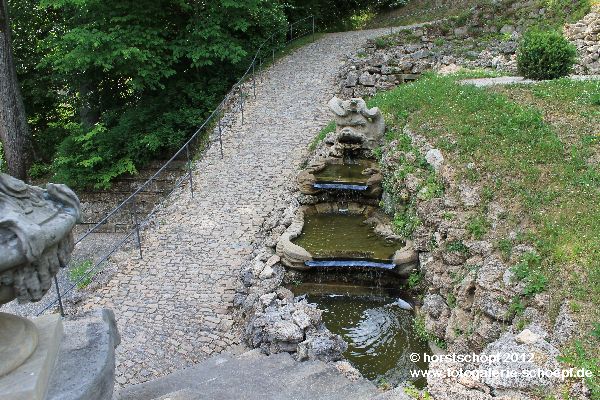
{"type": "Point", "coordinates": [253, 78]}
{"type": "Point", "coordinates": [313, 28]}
{"type": "Point", "coordinates": [291, 32]}
{"type": "Point", "coordinates": [137, 225]}
{"type": "Point", "coordinates": [221, 137]}
{"type": "Point", "coordinates": [242, 103]}
{"type": "Point", "coordinates": [60, 303]}
{"type": "Point", "coordinates": [189, 162]}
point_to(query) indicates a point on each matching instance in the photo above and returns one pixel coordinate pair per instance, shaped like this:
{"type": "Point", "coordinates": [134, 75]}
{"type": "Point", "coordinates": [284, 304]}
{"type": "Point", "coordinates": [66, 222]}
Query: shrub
{"type": "Point", "coordinates": [545, 55]}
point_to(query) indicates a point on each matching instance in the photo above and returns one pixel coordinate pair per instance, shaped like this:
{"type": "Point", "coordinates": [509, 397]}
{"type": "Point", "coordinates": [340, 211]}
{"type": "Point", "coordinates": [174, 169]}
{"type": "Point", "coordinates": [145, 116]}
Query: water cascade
{"type": "Point", "coordinates": [340, 239]}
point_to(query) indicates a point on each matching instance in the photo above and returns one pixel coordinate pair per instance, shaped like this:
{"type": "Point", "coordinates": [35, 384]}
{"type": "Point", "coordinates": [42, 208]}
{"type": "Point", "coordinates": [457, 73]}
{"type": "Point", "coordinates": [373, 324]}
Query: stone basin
{"type": "Point", "coordinates": [380, 334]}
{"type": "Point", "coordinates": [338, 174]}
{"type": "Point", "coordinates": [344, 235]}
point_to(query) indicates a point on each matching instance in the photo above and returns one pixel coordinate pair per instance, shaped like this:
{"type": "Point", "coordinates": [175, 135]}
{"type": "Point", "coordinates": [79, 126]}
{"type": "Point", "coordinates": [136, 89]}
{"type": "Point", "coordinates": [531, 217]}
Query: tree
{"type": "Point", "coordinates": [14, 131]}
{"type": "Point", "coordinates": [138, 80]}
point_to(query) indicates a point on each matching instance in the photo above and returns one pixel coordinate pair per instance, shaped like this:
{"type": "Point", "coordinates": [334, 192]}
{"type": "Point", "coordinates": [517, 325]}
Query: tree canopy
{"type": "Point", "coordinates": [109, 86]}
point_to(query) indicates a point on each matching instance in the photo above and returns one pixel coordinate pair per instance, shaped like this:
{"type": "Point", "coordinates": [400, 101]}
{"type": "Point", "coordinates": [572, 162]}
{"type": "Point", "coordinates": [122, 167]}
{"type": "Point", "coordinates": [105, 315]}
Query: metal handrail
{"type": "Point", "coordinates": [222, 107]}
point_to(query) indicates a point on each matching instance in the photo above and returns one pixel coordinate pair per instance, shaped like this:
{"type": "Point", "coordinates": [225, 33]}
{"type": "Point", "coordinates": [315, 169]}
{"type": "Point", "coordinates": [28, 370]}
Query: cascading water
{"type": "Point", "coordinates": [340, 233]}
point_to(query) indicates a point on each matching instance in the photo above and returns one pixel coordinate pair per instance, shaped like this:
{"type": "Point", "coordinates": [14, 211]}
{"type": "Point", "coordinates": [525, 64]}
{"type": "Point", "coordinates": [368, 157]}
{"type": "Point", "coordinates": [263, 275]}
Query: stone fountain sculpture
{"type": "Point", "coordinates": [35, 241]}
{"type": "Point", "coordinates": [359, 130]}
{"type": "Point", "coordinates": [357, 125]}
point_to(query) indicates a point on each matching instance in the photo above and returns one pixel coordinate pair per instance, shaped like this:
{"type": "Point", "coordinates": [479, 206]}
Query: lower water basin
{"type": "Point", "coordinates": [379, 334]}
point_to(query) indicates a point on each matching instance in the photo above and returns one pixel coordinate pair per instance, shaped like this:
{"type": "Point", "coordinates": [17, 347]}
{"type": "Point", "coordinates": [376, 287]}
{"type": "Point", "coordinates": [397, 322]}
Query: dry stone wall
{"type": "Point", "coordinates": [585, 34]}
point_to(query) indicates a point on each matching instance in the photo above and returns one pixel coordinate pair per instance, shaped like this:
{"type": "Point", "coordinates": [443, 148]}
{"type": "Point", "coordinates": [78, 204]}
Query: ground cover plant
{"type": "Point", "coordinates": [536, 150]}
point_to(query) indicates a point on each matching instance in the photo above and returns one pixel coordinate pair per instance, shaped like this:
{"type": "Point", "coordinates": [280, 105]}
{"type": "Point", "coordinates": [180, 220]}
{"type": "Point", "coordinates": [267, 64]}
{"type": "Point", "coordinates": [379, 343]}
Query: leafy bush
{"type": "Point", "coordinates": [545, 54]}
{"type": "Point", "coordinates": [478, 227]}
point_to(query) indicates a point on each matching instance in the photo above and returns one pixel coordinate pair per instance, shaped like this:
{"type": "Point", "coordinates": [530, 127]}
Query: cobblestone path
{"type": "Point", "coordinates": [173, 307]}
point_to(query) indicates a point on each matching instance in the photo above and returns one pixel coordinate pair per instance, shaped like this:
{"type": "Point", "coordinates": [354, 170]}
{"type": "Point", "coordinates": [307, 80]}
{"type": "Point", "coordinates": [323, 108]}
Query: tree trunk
{"type": "Point", "coordinates": [14, 132]}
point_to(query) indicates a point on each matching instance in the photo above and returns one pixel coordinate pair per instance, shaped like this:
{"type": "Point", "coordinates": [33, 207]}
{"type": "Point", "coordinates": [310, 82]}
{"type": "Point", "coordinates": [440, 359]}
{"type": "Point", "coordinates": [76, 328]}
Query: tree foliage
{"type": "Point", "coordinates": [112, 85]}
{"type": "Point", "coordinates": [109, 86]}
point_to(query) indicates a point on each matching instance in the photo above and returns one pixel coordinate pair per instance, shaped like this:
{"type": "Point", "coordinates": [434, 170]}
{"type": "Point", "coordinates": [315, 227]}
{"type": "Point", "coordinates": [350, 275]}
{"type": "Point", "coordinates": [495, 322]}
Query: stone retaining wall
{"type": "Point", "coordinates": [585, 34]}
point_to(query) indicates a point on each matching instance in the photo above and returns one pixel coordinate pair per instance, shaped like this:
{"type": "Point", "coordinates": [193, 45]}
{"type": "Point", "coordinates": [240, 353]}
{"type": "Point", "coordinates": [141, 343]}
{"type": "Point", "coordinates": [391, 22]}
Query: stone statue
{"type": "Point", "coordinates": [356, 124]}
{"type": "Point", "coordinates": [35, 241]}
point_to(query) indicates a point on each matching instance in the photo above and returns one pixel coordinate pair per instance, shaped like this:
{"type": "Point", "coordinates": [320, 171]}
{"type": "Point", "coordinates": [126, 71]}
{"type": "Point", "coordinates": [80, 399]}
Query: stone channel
{"type": "Point", "coordinates": [332, 290]}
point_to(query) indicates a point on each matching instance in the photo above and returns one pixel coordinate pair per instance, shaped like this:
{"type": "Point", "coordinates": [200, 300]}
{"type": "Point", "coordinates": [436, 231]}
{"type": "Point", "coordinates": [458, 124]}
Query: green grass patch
{"type": "Point", "coordinates": [80, 271]}
{"type": "Point", "coordinates": [405, 222]}
{"type": "Point", "coordinates": [457, 246]}
{"type": "Point", "coordinates": [330, 127]}
{"type": "Point", "coordinates": [535, 146]}
{"type": "Point", "coordinates": [478, 227]}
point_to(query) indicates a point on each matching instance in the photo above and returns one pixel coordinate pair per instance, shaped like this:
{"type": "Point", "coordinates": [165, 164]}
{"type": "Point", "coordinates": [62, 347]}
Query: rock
{"type": "Point", "coordinates": [323, 346]}
{"type": "Point", "coordinates": [284, 294]}
{"type": "Point", "coordinates": [301, 319]}
{"type": "Point", "coordinates": [564, 327]}
{"type": "Point", "coordinates": [351, 373]}
{"type": "Point", "coordinates": [435, 158]}
{"type": "Point", "coordinates": [436, 313]}
{"type": "Point", "coordinates": [469, 194]}
{"type": "Point", "coordinates": [507, 29]}
{"type": "Point", "coordinates": [531, 356]}
{"type": "Point", "coordinates": [351, 79]}
{"type": "Point", "coordinates": [86, 358]}
{"type": "Point", "coordinates": [285, 331]}
{"type": "Point", "coordinates": [461, 31]}
{"type": "Point", "coordinates": [268, 299]}
{"type": "Point", "coordinates": [274, 259]}
{"type": "Point", "coordinates": [246, 277]}
{"type": "Point", "coordinates": [449, 69]}
{"type": "Point", "coordinates": [527, 337]}
{"type": "Point", "coordinates": [266, 273]}
{"type": "Point", "coordinates": [366, 79]}
{"type": "Point", "coordinates": [443, 383]}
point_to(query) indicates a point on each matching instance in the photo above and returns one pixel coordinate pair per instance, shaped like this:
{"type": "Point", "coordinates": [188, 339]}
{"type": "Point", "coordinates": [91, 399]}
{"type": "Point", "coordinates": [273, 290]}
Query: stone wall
{"type": "Point", "coordinates": [482, 40]}
{"type": "Point", "coordinates": [585, 34]}
{"type": "Point", "coordinates": [387, 62]}
{"type": "Point", "coordinates": [470, 285]}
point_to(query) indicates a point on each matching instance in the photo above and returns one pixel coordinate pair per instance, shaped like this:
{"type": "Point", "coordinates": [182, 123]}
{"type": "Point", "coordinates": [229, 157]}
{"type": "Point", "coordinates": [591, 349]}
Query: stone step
{"type": "Point", "coordinates": [253, 376]}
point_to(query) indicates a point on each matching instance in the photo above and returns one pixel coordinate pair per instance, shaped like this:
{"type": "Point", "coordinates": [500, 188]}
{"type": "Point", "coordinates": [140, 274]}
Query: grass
{"type": "Point", "coordinates": [80, 272]}
{"type": "Point", "coordinates": [420, 11]}
{"type": "Point", "coordinates": [330, 127]}
{"type": "Point", "coordinates": [458, 12]}
{"type": "Point", "coordinates": [537, 147]}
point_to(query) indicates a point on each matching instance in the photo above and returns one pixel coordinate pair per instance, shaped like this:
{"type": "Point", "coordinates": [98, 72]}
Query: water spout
{"type": "Point", "coordinates": [340, 186]}
{"type": "Point", "coordinates": [402, 304]}
{"type": "Point", "coordinates": [350, 263]}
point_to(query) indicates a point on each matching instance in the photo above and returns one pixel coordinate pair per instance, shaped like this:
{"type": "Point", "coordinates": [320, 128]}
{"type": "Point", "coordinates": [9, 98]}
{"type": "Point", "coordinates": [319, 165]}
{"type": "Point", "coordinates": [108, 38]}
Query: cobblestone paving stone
{"type": "Point", "coordinates": [173, 307]}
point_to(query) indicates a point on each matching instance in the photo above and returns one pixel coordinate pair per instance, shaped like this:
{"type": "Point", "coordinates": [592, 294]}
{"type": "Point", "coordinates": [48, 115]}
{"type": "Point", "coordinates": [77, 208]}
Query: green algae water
{"type": "Point", "coordinates": [334, 235]}
{"type": "Point", "coordinates": [343, 173]}
{"type": "Point", "coordinates": [380, 335]}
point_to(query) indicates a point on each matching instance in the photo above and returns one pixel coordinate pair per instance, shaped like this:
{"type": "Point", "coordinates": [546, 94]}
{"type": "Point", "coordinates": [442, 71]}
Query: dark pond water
{"type": "Point", "coordinates": [379, 334]}
{"type": "Point", "coordinates": [333, 235]}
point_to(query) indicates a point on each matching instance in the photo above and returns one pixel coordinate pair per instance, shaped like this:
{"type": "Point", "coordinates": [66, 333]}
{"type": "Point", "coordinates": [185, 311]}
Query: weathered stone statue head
{"type": "Point", "coordinates": [35, 240]}
{"type": "Point", "coordinates": [356, 124]}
